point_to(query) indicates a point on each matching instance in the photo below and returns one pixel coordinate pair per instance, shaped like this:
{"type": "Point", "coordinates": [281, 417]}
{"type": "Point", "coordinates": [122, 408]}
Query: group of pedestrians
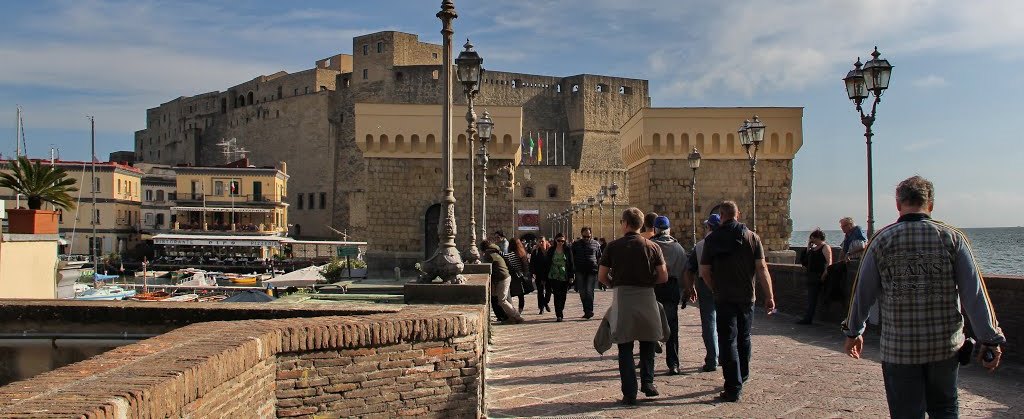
{"type": "Point", "coordinates": [918, 274]}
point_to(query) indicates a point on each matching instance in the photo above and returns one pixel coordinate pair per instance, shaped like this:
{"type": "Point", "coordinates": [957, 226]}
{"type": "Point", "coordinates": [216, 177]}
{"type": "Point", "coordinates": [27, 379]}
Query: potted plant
{"type": "Point", "coordinates": [39, 184]}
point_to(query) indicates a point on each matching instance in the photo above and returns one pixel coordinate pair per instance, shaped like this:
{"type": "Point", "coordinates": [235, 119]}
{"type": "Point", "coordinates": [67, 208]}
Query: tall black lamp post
{"type": "Point", "coordinates": [446, 263]}
{"type": "Point", "coordinates": [751, 135]}
{"type": "Point", "coordinates": [694, 161]}
{"type": "Point", "coordinates": [469, 68]}
{"type": "Point", "coordinates": [485, 126]}
{"type": "Point", "coordinates": [600, 209]}
{"type": "Point", "coordinates": [613, 191]}
{"type": "Point", "coordinates": [873, 78]}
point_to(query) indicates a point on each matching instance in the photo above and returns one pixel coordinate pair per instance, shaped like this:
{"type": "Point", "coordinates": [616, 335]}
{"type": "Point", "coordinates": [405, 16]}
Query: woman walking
{"type": "Point", "coordinates": [539, 267]}
{"type": "Point", "coordinates": [816, 259]}
{"type": "Point", "coordinates": [517, 262]}
{"type": "Point", "coordinates": [560, 273]}
{"type": "Point", "coordinates": [500, 280]}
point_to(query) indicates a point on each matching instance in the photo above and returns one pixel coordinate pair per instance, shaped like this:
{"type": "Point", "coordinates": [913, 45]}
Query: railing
{"type": "Point", "coordinates": [237, 227]}
{"type": "Point", "coordinates": [227, 198]}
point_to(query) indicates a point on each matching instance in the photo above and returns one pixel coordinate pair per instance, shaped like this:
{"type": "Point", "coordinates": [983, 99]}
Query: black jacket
{"type": "Point", "coordinates": [540, 264]}
{"type": "Point", "coordinates": [586, 255]}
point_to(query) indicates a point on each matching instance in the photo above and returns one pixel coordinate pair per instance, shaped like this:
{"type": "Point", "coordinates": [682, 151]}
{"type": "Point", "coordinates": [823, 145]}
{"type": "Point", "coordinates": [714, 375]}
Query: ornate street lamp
{"type": "Point", "coordinates": [751, 135]}
{"type": "Point", "coordinates": [485, 127]}
{"type": "Point", "coordinates": [578, 209]}
{"type": "Point", "coordinates": [873, 78]}
{"type": "Point", "coordinates": [613, 191]}
{"type": "Point", "coordinates": [694, 161]}
{"type": "Point", "coordinates": [591, 201]}
{"type": "Point", "coordinates": [566, 222]}
{"type": "Point", "coordinates": [600, 208]}
{"type": "Point", "coordinates": [469, 69]}
{"type": "Point", "coordinates": [446, 263]}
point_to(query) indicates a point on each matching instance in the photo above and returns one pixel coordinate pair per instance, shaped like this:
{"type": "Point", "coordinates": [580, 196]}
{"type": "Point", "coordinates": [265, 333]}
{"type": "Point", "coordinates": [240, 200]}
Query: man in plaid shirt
{"type": "Point", "coordinates": [920, 271]}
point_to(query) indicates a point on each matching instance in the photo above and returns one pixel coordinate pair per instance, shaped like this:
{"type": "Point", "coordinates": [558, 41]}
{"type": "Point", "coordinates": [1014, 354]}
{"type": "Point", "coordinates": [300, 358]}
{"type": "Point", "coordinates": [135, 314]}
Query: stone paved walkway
{"type": "Point", "coordinates": [542, 368]}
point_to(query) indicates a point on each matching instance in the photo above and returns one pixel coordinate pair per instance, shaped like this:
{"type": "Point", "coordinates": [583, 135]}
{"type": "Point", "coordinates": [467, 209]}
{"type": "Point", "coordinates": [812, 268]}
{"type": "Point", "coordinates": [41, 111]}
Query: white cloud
{"type": "Point", "coordinates": [930, 80]}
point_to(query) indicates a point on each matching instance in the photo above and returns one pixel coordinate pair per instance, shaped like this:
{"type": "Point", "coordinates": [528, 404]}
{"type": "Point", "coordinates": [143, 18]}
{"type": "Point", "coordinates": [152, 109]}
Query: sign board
{"type": "Point", "coordinates": [347, 251]}
{"type": "Point", "coordinates": [528, 220]}
{"type": "Point", "coordinates": [216, 242]}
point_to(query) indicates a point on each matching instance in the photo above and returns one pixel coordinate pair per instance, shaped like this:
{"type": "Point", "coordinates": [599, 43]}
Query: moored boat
{"type": "Point", "coordinates": [111, 292]}
{"type": "Point", "coordinates": [183, 298]}
{"type": "Point", "coordinates": [151, 296]}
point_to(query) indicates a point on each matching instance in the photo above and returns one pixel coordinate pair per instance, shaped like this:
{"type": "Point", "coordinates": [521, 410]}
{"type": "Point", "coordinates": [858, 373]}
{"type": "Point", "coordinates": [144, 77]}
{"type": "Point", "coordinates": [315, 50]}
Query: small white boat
{"type": "Point", "coordinates": [199, 279]}
{"type": "Point", "coordinates": [183, 298]}
{"type": "Point", "coordinates": [111, 292]}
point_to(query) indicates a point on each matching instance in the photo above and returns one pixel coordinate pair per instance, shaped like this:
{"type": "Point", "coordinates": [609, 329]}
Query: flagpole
{"type": "Point", "coordinates": [563, 147]}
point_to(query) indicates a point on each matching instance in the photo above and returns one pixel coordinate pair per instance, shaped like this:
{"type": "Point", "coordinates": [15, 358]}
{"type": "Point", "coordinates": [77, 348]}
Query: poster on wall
{"type": "Point", "coordinates": [528, 220]}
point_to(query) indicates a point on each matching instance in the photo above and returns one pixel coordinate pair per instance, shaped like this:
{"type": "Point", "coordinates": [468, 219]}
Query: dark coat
{"type": "Point", "coordinates": [540, 264]}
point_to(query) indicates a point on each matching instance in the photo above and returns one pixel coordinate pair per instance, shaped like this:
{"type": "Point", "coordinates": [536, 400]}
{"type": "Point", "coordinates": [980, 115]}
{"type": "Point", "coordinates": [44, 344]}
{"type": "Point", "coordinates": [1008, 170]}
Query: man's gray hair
{"type": "Point", "coordinates": [915, 191]}
{"type": "Point", "coordinates": [846, 220]}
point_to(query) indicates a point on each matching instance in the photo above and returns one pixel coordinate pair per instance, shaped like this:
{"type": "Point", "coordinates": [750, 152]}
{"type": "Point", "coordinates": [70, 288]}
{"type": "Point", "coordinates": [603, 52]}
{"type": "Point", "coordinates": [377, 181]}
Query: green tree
{"type": "Point", "coordinates": [39, 183]}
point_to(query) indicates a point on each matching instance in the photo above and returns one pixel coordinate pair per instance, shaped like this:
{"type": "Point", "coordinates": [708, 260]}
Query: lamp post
{"type": "Point", "coordinates": [694, 160]}
{"type": "Point", "coordinates": [591, 202]}
{"type": "Point", "coordinates": [874, 79]}
{"type": "Point", "coordinates": [613, 191]}
{"type": "Point", "coordinates": [578, 209]}
{"type": "Point", "coordinates": [600, 208]}
{"type": "Point", "coordinates": [469, 69]}
{"type": "Point", "coordinates": [446, 263]}
{"type": "Point", "coordinates": [751, 134]}
{"type": "Point", "coordinates": [484, 126]}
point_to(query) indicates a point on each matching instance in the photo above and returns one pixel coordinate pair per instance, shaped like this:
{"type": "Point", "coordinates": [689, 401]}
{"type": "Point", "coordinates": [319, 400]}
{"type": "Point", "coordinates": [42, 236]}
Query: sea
{"type": "Point", "coordinates": [998, 250]}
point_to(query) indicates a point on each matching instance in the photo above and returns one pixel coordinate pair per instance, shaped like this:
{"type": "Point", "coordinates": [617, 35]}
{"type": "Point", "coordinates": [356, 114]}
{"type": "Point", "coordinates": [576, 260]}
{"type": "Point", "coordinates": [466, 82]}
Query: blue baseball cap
{"type": "Point", "coordinates": [661, 223]}
{"type": "Point", "coordinates": [713, 221]}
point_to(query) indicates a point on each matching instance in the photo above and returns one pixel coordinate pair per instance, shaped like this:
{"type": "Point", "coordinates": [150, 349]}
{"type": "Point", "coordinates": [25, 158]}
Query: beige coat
{"type": "Point", "coordinates": [635, 315]}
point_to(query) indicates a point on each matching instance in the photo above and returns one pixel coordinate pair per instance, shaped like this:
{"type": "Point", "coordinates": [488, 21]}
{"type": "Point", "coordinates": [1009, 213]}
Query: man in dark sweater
{"type": "Point", "coordinates": [586, 253]}
{"type": "Point", "coordinates": [731, 259]}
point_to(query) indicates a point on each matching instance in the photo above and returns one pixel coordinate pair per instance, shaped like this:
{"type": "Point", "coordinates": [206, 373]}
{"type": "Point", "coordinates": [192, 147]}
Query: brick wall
{"type": "Point", "coordinates": [420, 361]}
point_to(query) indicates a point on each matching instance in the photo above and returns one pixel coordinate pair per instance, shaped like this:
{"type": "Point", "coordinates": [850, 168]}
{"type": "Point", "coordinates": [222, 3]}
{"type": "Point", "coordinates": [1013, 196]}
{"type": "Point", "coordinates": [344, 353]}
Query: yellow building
{"type": "Point", "coordinates": [118, 192]}
{"type": "Point", "coordinates": [28, 266]}
{"type": "Point", "coordinates": [235, 198]}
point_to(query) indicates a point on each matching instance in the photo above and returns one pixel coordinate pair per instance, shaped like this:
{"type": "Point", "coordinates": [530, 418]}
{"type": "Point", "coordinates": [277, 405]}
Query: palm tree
{"type": "Point", "coordinates": [39, 184]}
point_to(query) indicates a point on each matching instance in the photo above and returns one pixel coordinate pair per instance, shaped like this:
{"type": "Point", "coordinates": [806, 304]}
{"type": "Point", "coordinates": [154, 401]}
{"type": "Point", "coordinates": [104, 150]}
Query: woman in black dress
{"type": "Point", "coordinates": [816, 259]}
{"type": "Point", "coordinates": [539, 265]}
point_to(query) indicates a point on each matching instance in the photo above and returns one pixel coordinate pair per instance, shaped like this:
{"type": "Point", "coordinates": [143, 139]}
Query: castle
{"type": "Point", "coordinates": [361, 136]}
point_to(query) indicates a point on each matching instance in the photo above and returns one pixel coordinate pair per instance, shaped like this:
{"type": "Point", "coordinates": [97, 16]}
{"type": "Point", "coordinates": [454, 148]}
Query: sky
{"type": "Point", "coordinates": [948, 114]}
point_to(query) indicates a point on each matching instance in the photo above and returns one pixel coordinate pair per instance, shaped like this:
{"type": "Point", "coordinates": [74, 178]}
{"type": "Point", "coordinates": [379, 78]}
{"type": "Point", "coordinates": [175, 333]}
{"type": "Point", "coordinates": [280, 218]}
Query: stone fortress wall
{"type": "Point", "coordinates": [308, 119]}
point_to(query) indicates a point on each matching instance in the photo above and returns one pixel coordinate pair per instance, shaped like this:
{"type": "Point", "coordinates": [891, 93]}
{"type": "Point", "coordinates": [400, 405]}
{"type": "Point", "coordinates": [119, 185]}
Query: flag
{"type": "Point", "coordinates": [533, 144]}
{"type": "Point", "coordinates": [540, 149]}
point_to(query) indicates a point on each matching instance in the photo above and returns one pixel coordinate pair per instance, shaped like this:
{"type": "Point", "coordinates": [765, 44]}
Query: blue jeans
{"type": "Point", "coordinates": [734, 342]}
{"type": "Point", "coordinates": [913, 389]}
{"type": "Point", "coordinates": [627, 369]}
{"type": "Point", "coordinates": [706, 304]}
{"type": "Point", "coordinates": [585, 284]}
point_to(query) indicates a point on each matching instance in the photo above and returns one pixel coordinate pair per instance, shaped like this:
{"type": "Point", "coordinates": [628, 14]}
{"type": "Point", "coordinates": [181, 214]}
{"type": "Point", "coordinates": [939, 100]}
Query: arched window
{"type": "Point", "coordinates": [249, 102]}
{"type": "Point", "coordinates": [527, 191]}
{"type": "Point", "coordinates": [575, 88]}
{"type": "Point", "coordinates": [241, 101]}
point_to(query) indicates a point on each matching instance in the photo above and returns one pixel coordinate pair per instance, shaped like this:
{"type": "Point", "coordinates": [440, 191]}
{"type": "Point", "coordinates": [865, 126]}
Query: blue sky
{"type": "Point", "coordinates": [949, 114]}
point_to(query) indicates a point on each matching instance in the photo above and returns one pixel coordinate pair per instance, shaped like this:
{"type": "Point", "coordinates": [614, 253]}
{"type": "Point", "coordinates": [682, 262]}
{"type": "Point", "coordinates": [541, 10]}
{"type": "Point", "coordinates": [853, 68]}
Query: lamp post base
{"type": "Point", "coordinates": [445, 265]}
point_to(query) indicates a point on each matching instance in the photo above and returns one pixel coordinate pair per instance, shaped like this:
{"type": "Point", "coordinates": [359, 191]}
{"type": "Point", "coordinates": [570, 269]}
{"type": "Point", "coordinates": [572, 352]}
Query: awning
{"type": "Point", "coordinates": [209, 240]}
{"type": "Point", "coordinates": [221, 209]}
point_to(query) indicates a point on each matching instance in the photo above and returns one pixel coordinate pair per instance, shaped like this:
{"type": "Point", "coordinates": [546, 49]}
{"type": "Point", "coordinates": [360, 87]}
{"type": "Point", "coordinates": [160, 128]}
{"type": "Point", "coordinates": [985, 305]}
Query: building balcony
{"type": "Point", "coordinates": [239, 228]}
{"type": "Point", "coordinates": [191, 198]}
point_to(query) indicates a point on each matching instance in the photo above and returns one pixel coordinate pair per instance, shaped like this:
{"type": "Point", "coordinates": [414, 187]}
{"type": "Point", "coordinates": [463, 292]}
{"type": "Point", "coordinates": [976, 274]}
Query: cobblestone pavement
{"type": "Point", "coordinates": [542, 369]}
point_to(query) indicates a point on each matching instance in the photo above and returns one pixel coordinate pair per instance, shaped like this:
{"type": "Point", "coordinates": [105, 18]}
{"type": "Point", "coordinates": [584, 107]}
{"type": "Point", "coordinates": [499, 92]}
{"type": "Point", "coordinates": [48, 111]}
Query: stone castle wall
{"type": "Point", "coordinates": [663, 186]}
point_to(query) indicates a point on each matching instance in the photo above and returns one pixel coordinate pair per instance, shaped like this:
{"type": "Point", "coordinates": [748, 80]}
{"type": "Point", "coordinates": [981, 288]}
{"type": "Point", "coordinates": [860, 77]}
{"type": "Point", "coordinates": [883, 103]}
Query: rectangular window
{"type": "Point", "coordinates": [311, 201]}
{"type": "Point", "coordinates": [366, 49]}
{"type": "Point", "coordinates": [160, 196]}
{"type": "Point", "coordinates": [296, 92]}
{"type": "Point", "coordinates": [96, 217]}
{"type": "Point", "coordinates": [149, 218]}
{"type": "Point", "coordinates": [149, 195]}
{"type": "Point", "coordinates": [96, 185]}
{"type": "Point", "coordinates": [380, 47]}
{"type": "Point", "coordinates": [307, 89]}
{"type": "Point", "coordinates": [235, 187]}
{"type": "Point", "coordinates": [300, 201]}
{"type": "Point", "coordinates": [323, 200]}
{"type": "Point", "coordinates": [119, 186]}
{"type": "Point", "coordinates": [218, 188]}
{"type": "Point", "coordinates": [366, 74]}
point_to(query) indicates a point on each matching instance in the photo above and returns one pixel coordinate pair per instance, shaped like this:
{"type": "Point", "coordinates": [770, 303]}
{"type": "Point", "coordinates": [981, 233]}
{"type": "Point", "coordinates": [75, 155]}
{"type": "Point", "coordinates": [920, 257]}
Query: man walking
{"type": "Point", "coordinates": [695, 286]}
{"type": "Point", "coordinates": [586, 253]}
{"type": "Point", "coordinates": [921, 272]}
{"type": "Point", "coordinates": [731, 259]}
{"type": "Point", "coordinates": [632, 266]}
{"type": "Point", "coordinates": [669, 294]}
